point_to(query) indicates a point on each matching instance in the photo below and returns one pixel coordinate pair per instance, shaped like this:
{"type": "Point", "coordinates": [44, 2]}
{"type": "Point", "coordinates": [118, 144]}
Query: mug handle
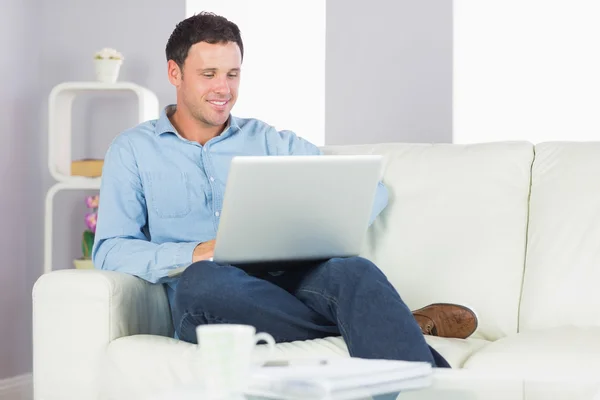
{"type": "Point", "coordinates": [270, 344]}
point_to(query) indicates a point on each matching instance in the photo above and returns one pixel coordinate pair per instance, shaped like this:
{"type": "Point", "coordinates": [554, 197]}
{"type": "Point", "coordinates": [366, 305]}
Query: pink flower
{"type": "Point", "coordinates": [90, 221]}
{"type": "Point", "coordinates": [92, 201]}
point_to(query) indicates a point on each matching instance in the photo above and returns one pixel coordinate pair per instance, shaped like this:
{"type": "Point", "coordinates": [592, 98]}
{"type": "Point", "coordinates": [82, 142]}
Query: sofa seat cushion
{"type": "Point", "coordinates": [559, 353]}
{"type": "Point", "coordinates": [456, 351]}
{"type": "Point", "coordinates": [137, 366]}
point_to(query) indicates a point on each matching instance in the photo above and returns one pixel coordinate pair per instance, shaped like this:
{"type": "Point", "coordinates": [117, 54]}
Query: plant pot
{"type": "Point", "coordinates": [107, 70]}
{"type": "Point", "coordinates": [83, 263]}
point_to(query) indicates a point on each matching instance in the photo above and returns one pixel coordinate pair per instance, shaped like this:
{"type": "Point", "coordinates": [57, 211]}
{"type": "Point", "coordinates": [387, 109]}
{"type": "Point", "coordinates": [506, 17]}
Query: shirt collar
{"type": "Point", "coordinates": [232, 123]}
{"type": "Point", "coordinates": [164, 125]}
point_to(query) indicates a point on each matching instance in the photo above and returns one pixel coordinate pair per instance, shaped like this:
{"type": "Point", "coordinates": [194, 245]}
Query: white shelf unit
{"type": "Point", "coordinates": [60, 104]}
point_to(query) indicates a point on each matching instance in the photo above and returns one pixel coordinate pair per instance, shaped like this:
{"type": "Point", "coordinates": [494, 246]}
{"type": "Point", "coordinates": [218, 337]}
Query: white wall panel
{"type": "Point", "coordinates": [526, 70]}
{"type": "Point", "coordinates": [283, 73]}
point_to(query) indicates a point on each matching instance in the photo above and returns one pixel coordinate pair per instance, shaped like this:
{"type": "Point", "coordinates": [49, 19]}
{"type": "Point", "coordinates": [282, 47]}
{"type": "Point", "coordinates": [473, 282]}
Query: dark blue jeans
{"type": "Point", "coordinates": [350, 297]}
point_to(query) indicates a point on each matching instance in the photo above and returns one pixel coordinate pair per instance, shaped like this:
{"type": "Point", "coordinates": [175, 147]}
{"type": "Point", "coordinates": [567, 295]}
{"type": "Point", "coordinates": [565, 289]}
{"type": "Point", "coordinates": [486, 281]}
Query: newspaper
{"type": "Point", "coordinates": [339, 379]}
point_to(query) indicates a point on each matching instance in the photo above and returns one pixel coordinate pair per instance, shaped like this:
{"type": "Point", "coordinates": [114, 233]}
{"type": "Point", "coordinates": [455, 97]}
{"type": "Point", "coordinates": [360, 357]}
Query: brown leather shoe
{"type": "Point", "coordinates": [446, 320]}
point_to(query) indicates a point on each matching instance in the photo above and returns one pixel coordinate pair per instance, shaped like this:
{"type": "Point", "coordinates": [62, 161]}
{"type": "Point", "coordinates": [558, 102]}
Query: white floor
{"type": "Point", "coordinates": [16, 388]}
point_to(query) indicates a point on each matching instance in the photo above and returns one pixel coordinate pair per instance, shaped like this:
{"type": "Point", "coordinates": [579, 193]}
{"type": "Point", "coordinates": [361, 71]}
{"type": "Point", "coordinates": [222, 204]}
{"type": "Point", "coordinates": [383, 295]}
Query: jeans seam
{"type": "Point", "coordinates": [205, 315]}
{"type": "Point", "coordinates": [342, 327]}
{"type": "Point", "coordinates": [183, 318]}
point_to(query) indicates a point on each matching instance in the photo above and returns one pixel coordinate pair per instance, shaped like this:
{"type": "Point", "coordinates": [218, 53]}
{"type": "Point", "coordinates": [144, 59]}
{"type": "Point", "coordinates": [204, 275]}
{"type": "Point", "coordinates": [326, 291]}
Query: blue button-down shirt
{"type": "Point", "coordinates": [161, 194]}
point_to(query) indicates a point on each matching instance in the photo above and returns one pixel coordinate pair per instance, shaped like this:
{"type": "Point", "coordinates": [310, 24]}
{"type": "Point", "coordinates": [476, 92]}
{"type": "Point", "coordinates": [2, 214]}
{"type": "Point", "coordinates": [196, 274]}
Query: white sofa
{"type": "Point", "coordinates": [510, 229]}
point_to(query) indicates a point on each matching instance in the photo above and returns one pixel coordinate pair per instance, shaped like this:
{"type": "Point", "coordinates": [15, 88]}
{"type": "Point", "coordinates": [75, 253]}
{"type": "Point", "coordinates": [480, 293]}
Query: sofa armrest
{"type": "Point", "coordinates": [76, 314]}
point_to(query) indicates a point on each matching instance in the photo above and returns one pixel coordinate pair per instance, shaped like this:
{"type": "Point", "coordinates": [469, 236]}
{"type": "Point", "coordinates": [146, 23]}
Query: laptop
{"type": "Point", "coordinates": [283, 211]}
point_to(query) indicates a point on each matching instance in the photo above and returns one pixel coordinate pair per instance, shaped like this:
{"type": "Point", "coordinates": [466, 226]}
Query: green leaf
{"type": "Point", "coordinates": [87, 243]}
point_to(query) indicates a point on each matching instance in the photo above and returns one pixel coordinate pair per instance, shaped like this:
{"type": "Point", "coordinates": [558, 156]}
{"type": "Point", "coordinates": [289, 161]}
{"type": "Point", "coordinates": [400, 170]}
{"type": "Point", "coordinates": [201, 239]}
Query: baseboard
{"type": "Point", "coordinates": [17, 388]}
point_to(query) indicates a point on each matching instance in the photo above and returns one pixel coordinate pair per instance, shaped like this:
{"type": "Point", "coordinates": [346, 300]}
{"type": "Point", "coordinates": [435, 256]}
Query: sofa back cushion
{"type": "Point", "coordinates": [454, 229]}
{"type": "Point", "coordinates": [562, 276]}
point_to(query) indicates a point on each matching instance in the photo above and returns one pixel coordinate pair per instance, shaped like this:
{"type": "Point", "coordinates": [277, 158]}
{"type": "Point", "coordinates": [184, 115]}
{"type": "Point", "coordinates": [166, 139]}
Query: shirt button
{"type": "Point", "coordinates": [212, 179]}
{"type": "Point", "coordinates": [217, 213]}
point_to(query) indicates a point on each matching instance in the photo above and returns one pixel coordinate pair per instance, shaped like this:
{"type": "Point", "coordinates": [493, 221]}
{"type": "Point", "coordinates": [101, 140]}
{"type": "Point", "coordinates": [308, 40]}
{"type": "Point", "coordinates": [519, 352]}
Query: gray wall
{"type": "Point", "coordinates": [388, 71]}
{"type": "Point", "coordinates": [51, 42]}
{"type": "Point", "coordinates": [19, 194]}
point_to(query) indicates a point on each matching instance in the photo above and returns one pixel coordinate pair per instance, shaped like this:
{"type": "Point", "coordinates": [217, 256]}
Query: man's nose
{"type": "Point", "coordinates": [222, 86]}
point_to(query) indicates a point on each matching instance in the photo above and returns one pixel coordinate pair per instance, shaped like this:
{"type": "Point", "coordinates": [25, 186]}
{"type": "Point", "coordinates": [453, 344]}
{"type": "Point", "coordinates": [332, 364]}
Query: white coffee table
{"type": "Point", "coordinates": [463, 385]}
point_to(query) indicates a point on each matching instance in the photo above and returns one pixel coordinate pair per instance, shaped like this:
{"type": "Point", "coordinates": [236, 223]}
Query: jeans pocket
{"type": "Point", "coordinates": [169, 194]}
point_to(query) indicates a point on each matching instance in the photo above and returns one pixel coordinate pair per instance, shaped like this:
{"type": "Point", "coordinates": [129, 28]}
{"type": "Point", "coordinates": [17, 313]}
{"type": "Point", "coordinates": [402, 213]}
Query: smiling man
{"type": "Point", "coordinates": [161, 196]}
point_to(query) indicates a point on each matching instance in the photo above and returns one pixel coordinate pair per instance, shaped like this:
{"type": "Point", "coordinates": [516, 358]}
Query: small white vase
{"type": "Point", "coordinates": [107, 70]}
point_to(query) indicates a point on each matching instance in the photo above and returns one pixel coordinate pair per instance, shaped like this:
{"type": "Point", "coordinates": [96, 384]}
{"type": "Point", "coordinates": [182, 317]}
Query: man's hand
{"type": "Point", "coordinates": [204, 251]}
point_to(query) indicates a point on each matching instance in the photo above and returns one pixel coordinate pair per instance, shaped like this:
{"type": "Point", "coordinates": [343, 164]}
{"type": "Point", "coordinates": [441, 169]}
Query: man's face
{"type": "Point", "coordinates": [208, 87]}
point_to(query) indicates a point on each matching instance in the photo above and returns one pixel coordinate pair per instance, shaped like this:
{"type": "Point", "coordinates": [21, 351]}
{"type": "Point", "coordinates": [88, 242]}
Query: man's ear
{"type": "Point", "coordinates": [175, 73]}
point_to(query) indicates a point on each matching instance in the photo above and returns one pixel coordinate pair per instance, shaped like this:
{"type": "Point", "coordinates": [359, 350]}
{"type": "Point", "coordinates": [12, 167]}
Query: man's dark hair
{"type": "Point", "coordinates": [204, 27]}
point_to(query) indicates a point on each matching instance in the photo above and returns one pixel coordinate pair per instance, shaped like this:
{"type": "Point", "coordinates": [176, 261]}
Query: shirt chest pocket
{"type": "Point", "coordinates": [168, 194]}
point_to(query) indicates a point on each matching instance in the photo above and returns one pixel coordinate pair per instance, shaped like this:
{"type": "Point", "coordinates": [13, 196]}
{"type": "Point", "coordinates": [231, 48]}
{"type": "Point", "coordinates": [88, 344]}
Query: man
{"type": "Point", "coordinates": [161, 197]}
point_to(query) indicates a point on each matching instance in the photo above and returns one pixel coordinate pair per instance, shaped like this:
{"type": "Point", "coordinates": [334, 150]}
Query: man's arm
{"type": "Point", "coordinates": [290, 144]}
{"type": "Point", "coordinates": [120, 243]}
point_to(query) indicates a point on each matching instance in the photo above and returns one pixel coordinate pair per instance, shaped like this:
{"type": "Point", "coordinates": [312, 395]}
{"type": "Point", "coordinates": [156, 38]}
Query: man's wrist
{"type": "Point", "coordinates": [199, 252]}
{"type": "Point", "coordinates": [203, 251]}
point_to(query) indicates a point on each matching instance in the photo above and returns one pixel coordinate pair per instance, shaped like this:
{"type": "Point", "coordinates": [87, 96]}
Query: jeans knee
{"type": "Point", "coordinates": [352, 268]}
{"type": "Point", "coordinates": [202, 284]}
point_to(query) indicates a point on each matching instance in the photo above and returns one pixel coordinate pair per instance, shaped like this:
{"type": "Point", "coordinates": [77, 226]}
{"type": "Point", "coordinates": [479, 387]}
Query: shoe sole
{"type": "Point", "coordinates": [460, 306]}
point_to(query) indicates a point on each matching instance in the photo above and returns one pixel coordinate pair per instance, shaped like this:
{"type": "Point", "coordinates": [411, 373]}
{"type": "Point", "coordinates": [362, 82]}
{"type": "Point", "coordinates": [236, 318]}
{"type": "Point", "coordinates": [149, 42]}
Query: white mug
{"type": "Point", "coordinates": [226, 353]}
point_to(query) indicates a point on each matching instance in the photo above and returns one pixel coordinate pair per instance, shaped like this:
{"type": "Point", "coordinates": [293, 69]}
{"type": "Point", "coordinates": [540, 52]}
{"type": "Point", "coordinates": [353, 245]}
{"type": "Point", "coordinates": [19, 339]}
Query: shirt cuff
{"type": "Point", "coordinates": [184, 254]}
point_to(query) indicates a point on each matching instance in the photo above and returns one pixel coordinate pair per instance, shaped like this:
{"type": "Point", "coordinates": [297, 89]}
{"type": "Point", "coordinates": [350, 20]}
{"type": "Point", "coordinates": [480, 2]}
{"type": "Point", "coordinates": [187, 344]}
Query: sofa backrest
{"type": "Point", "coordinates": [455, 226]}
{"type": "Point", "coordinates": [562, 279]}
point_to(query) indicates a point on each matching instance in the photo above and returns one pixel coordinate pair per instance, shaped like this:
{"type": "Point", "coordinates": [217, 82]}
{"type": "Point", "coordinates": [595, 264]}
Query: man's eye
{"type": "Point", "coordinates": [233, 75]}
{"type": "Point", "coordinates": [209, 75]}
